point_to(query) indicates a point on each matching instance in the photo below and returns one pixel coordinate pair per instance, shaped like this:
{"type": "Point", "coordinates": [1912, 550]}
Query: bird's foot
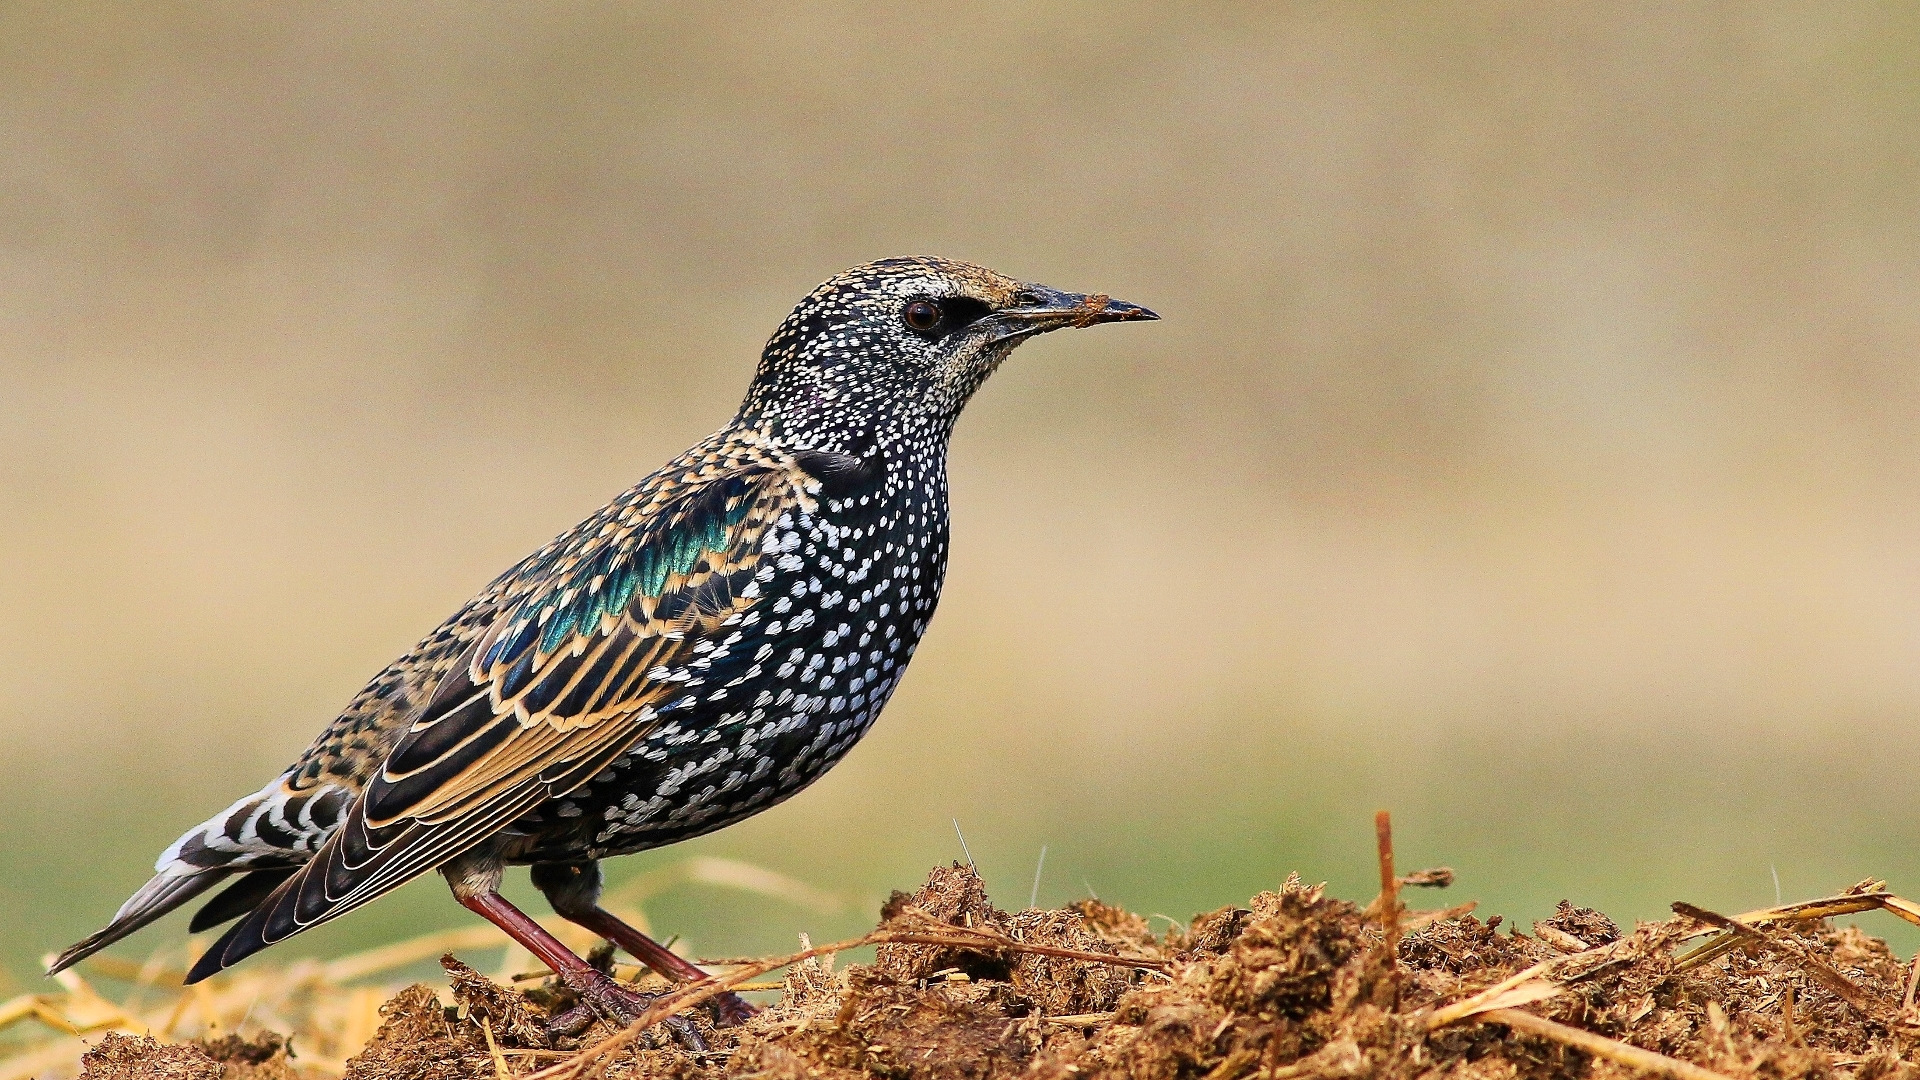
{"type": "Point", "coordinates": [602, 996]}
{"type": "Point", "coordinates": [731, 1010]}
{"type": "Point", "coordinates": [574, 1021]}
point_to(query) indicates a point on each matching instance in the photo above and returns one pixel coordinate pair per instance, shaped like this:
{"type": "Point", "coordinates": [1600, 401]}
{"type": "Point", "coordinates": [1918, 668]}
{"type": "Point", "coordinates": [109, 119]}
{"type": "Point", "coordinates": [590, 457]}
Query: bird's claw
{"type": "Point", "coordinates": [731, 1010]}
{"type": "Point", "coordinates": [607, 998]}
{"type": "Point", "coordinates": [574, 1021]}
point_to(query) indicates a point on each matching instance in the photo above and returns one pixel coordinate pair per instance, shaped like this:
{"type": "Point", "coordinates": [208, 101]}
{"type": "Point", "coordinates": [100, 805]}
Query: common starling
{"type": "Point", "coordinates": [699, 649]}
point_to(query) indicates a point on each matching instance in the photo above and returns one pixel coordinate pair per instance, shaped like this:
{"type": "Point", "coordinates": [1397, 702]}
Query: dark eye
{"type": "Point", "coordinates": [921, 314]}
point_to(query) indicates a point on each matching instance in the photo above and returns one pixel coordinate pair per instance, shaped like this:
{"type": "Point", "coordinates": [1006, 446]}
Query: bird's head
{"type": "Point", "coordinates": [902, 341]}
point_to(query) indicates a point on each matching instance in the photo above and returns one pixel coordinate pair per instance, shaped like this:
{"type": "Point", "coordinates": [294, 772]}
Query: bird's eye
{"type": "Point", "coordinates": [921, 314]}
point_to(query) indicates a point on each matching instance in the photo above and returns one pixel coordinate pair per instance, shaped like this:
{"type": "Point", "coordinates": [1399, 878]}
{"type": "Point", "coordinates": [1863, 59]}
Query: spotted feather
{"type": "Point", "coordinates": [563, 682]}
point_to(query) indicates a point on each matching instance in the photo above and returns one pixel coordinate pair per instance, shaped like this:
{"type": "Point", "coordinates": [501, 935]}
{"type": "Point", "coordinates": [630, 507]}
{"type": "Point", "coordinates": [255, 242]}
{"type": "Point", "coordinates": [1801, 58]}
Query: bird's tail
{"type": "Point", "coordinates": [163, 892]}
{"type": "Point", "coordinates": [263, 837]}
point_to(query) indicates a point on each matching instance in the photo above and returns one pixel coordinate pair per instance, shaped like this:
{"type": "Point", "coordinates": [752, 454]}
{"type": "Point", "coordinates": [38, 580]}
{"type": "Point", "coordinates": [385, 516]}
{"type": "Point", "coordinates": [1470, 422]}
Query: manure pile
{"type": "Point", "coordinates": [1296, 985]}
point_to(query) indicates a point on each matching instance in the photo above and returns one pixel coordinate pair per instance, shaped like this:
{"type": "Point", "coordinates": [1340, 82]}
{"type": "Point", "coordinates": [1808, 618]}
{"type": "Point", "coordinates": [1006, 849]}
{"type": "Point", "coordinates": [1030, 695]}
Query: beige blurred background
{"type": "Point", "coordinates": [1531, 444]}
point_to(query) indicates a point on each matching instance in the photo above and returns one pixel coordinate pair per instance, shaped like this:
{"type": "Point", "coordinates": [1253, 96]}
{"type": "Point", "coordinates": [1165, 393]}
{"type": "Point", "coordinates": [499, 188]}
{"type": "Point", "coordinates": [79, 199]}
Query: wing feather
{"type": "Point", "coordinates": [596, 645]}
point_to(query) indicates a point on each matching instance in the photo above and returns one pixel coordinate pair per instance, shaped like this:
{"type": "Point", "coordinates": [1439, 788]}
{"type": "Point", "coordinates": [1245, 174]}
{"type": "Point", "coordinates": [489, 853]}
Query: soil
{"type": "Point", "coordinates": [128, 1057]}
{"type": "Point", "coordinates": [1296, 985]}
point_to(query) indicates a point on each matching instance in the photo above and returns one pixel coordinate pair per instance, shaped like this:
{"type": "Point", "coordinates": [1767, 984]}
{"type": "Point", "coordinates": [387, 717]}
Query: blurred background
{"type": "Point", "coordinates": [1531, 444]}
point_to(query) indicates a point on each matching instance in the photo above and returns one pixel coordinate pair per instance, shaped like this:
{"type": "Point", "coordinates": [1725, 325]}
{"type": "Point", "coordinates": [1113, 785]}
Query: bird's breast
{"type": "Point", "coordinates": [853, 583]}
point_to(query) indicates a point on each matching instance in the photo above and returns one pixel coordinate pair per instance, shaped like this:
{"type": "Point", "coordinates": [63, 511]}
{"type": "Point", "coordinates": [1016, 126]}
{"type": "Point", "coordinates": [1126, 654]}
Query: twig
{"type": "Point", "coordinates": [1792, 950]}
{"type": "Point", "coordinates": [1418, 920]}
{"type": "Point", "coordinates": [1492, 997]}
{"type": "Point", "coordinates": [1600, 1046]}
{"type": "Point", "coordinates": [1389, 885]}
{"type": "Point", "coordinates": [1080, 1019]}
{"type": "Point", "coordinates": [493, 1048]}
{"type": "Point", "coordinates": [1867, 896]}
{"type": "Point", "coordinates": [1706, 953]}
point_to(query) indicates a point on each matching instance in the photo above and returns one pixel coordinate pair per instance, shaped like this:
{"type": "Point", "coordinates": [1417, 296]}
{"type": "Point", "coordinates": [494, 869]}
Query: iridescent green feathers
{"type": "Point", "coordinates": [575, 664]}
{"type": "Point", "coordinates": [597, 636]}
{"type": "Point", "coordinates": [585, 590]}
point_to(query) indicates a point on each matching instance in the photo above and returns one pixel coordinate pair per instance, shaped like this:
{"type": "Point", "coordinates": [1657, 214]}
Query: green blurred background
{"type": "Point", "coordinates": [1531, 443]}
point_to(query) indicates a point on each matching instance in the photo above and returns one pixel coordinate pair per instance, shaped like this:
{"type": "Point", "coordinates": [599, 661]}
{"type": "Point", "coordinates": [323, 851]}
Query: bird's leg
{"type": "Point", "coordinates": [574, 891]}
{"type": "Point", "coordinates": [729, 1009]}
{"type": "Point", "coordinates": [596, 989]}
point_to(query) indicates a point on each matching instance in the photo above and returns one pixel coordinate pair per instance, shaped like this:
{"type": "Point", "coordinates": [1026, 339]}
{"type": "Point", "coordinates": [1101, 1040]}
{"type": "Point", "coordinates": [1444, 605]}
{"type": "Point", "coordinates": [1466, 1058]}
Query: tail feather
{"type": "Point", "coordinates": [334, 883]}
{"type": "Point", "coordinates": [161, 894]}
{"type": "Point", "coordinates": [238, 898]}
{"type": "Point", "coordinates": [263, 836]}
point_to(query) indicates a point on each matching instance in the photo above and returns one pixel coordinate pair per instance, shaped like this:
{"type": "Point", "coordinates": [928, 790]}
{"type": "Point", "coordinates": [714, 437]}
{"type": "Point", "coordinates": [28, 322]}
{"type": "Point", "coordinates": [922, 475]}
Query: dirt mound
{"type": "Point", "coordinates": [1295, 985]}
{"type": "Point", "coordinates": [128, 1057]}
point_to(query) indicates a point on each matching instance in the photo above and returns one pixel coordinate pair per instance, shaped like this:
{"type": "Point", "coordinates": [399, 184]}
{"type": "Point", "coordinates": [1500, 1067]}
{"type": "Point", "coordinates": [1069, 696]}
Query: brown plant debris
{"type": "Point", "coordinates": [128, 1057]}
{"type": "Point", "coordinates": [1294, 985]}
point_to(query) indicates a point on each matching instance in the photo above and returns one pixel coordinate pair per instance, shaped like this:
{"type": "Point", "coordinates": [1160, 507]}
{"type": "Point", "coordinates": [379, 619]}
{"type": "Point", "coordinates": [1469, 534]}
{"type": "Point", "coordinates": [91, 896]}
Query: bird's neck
{"type": "Point", "coordinates": [894, 434]}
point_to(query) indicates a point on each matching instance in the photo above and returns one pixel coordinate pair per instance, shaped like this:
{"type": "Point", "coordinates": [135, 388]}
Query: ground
{"type": "Point", "coordinates": [1295, 984]}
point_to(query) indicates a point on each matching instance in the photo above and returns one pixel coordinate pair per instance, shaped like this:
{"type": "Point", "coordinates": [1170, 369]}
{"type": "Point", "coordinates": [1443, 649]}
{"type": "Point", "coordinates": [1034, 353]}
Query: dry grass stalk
{"type": "Point", "coordinates": [1842, 986]}
{"type": "Point", "coordinates": [1633, 1057]}
{"type": "Point", "coordinates": [1494, 997]}
{"type": "Point", "coordinates": [1420, 920]}
{"type": "Point", "coordinates": [1869, 895]}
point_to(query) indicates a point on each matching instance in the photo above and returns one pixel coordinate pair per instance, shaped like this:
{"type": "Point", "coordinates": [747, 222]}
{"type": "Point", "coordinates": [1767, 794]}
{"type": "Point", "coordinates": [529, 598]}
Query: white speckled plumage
{"type": "Point", "coordinates": [701, 648]}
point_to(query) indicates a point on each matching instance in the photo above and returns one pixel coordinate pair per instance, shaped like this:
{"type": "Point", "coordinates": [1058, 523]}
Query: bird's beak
{"type": "Point", "coordinates": [1038, 309]}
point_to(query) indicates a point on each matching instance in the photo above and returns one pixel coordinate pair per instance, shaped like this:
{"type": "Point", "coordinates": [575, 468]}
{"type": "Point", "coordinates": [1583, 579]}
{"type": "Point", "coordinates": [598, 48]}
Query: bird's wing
{"type": "Point", "coordinates": [604, 631]}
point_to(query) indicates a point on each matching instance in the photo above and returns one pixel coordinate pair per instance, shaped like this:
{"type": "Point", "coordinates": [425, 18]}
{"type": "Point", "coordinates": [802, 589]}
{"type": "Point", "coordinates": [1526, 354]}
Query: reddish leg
{"type": "Point", "coordinates": [729, 1008]}
{"type": "Point", "coordinates": [574, 891]}
{"type": "Point", "coordinates": [595, 988]}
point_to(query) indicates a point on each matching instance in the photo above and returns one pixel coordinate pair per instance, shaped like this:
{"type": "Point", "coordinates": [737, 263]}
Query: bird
{"type": "Point", "coordinates": [701, 648]}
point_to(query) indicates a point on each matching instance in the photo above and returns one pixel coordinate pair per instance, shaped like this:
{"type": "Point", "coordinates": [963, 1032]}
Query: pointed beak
{"type": "Point", "coordinates": [1039, 309]}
